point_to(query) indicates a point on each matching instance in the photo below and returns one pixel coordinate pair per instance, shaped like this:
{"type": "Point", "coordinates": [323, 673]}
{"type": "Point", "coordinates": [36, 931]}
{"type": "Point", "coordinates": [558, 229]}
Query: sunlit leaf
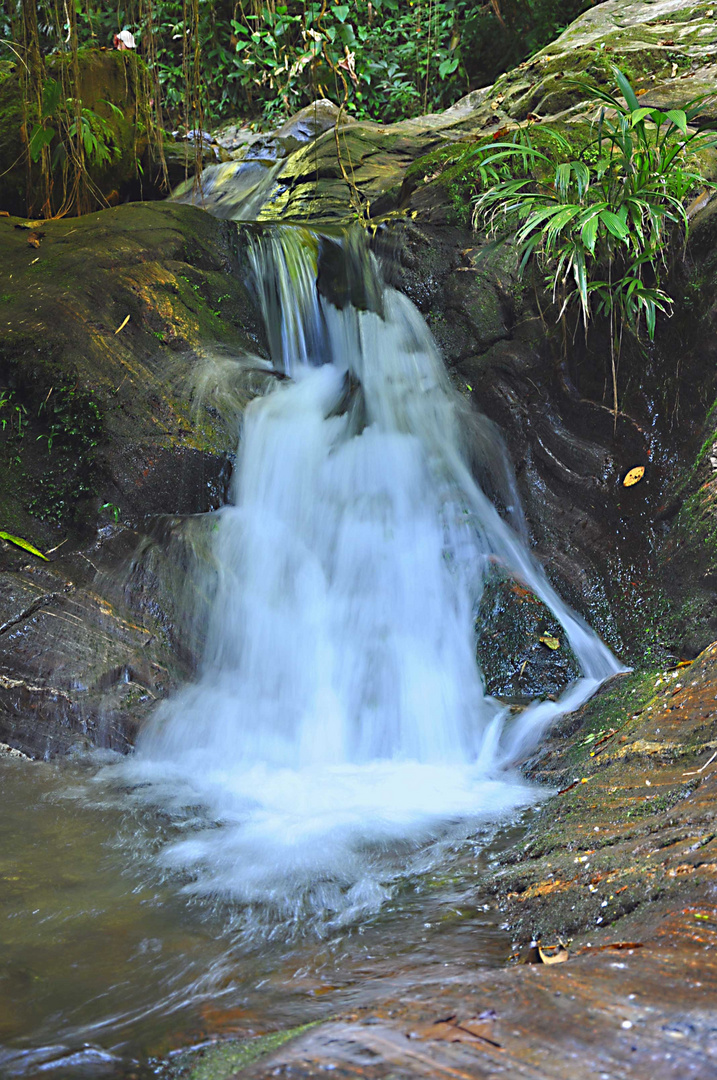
{"type": "Point", "coordinates": [634, 476]}
{"type": "Point", "coordinates": [24, 544]}
{"type": "Point", "coordinates": [678, 118]}
{"type": "Point", "coordinates": [549, 641]}
{"type": "Point", "coordinates": [553, 954]}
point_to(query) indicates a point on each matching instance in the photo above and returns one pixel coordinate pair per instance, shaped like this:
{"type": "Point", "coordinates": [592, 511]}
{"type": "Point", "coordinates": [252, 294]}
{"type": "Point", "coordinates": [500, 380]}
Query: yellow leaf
{"type": "Point", "coordinates": [24, 544]}
{"type": "Point", "coordinates": [553, 954]}
{"type": "Point", "coordinates": [634, 476]}
{"type": "Point", "coordinates": [124, 323]}
{"type": "Point", "coordinates": [550, 642]}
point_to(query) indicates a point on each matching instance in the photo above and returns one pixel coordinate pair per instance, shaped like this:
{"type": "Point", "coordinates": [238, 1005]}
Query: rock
{"type": "Point", "coordinates": [302, 127]}
{"type": "Point", "coordinates": [119, 429]}
{"type": "Point", "coordinates": [512, 626]}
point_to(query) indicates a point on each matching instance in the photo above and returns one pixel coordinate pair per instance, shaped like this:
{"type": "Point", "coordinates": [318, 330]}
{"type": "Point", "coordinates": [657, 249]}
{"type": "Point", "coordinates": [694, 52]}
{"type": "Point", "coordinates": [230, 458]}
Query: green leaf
{"type": "Point", "coordinates": [39, 138]}
{"type": "Point", "coordinates": [627, 92]}
{"type": "Point", "coordinates": [638, 115]}
{"type": "Point", "coordinates": [613, 223]}
{"type": "Point", "coordinates": [562, 177]}
{"type": "Point", "coordinates": [24, 544]}
{"type": "Point", "coordinates": [589, 231]}
{"type": "Point", "coordinates": [678, 118]}
{"type": "Point", "coordinates": [51, 93]}
{"type": "Point", "coordinates": [582, 176]}
{"type": "Point", "coordinates": [447, 67]}
{"type": "Point", "coordinates": [341, 11]}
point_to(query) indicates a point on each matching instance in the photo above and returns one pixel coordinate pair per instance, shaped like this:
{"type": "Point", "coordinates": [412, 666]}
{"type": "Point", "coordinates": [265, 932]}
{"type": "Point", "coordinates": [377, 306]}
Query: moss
{"type": "Point", "coordinates": [223, 1060]}
{"type": "Point", "coordinates": [613, 709]}
{"type": "Point", "coordinates": [50, 429]}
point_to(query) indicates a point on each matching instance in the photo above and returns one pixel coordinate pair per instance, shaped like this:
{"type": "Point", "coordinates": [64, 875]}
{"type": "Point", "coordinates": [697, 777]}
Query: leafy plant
{"type": "Point", "coordinates": [605, 224]}
{"type": "Point", "coordinates": [13, 414]}
{"type": "Point", "coordinates": [74, 125]}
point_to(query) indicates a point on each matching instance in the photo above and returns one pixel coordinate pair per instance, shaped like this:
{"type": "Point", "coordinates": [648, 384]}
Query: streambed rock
{"type": "Point", "coordinates": [614, 876]}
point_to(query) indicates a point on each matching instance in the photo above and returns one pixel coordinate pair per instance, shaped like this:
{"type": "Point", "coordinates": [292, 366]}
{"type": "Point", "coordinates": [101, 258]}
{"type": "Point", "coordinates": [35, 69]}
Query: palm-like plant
{"type": "Point", "coordinates": [603, 225]}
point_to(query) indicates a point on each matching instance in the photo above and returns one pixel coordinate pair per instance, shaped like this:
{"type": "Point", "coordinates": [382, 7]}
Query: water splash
{"type": "Point", "coordinates": [340, 714]}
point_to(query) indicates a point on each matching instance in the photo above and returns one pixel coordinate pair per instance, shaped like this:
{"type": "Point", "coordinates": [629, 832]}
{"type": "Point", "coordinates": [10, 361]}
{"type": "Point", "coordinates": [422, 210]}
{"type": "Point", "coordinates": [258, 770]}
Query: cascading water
{"type": "Point", "coordinates": [340, 714]}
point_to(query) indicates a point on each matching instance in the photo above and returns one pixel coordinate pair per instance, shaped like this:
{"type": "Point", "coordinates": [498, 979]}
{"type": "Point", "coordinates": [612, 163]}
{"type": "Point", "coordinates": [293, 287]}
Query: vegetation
{"type": "Point", "coordinates": [265, 59]}
{"type": "Point", "coordinates": [605, 224]}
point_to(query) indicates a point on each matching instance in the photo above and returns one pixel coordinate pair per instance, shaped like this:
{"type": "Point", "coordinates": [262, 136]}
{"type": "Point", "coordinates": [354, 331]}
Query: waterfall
{"type": "Point", "coordinates": [340, 715]}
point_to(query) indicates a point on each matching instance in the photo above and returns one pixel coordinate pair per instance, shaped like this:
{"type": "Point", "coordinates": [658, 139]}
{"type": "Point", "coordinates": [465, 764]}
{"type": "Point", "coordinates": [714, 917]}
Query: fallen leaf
{"type": "Point", "coordinates": [475, 1029]}
{"type": "Point", "coordinates": [551, 642]}
{"type": "Point", "coordinates": [24, 544]}
{"type": "Point", "coordinates": [634, 476]}
{"type": "Point", "coordinates": [122, 324]}
{"type": "Point", "coordinates": [611, 944]}
{"type": "Point", "coordinates": [4, 213]}
{"type": "Point", "coordinates": [29, 224]}
{"type": "Point", "coordinates": [553, 954]}
{"type": "Point", "coordinates": [34, 239]}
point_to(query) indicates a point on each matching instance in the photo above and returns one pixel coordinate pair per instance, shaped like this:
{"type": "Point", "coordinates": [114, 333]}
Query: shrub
{"type": "Point", "coordinates": [602, 225]}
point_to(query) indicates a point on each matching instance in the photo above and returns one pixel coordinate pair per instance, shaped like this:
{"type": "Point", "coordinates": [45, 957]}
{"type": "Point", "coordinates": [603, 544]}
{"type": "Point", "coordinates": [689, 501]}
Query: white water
{"type": "Point", "coordinates": [340, 716]}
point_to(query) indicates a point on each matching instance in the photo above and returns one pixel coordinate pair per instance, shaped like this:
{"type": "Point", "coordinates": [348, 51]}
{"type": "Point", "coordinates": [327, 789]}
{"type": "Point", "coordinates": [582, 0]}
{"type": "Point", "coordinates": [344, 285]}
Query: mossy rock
{"type": "Point", "coordinates": [119, 407]}
{"type": "Point", "coordinates": [666, 49]}
{"type": "Point", "coordinates": [129, 345]}
{"type": "Point", "coordinates": [522, 649]}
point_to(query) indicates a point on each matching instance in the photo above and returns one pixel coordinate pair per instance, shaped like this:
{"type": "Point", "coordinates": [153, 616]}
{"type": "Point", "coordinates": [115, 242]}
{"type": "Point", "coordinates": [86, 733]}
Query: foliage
{"type": "Point", "coordinates": [74, 125]}
{"type": "Point", "coordinates": [603, 225]}
{"type": "Point", "coordinates": [13, 414]}
{"type": "Point", "coordinates": [268, 60]}
{"type": "Point", "coordinates": [263, 59]}
{"type": "Point", "coordinates": [18, 541]}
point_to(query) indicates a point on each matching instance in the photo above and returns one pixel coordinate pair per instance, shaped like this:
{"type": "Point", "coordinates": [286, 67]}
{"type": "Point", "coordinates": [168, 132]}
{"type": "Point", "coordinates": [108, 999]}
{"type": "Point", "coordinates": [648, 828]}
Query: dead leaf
{"type": "Point", "coordinates": [35, 238]}
{"type": "Point", "coordinates": [122, 324]}
{"type": "Point", "coordinates": [634, 476]}
{"type": "Point", "coordinates": [29, 224]}
{"type": "Point", "coordinates": [550, 642]}
{"type": "Point", "coordinates": [475, 1029]}
{"type": "Point", "coordinates": [611, 944]}
{"type": "Point", "coordinates": [4, 213]}
{"type": "Point", "coordinates": [553, 954]}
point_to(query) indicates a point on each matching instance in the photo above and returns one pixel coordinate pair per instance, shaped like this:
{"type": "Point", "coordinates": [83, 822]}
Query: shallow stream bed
{"type": "Point", "coordinates": [106, 964]}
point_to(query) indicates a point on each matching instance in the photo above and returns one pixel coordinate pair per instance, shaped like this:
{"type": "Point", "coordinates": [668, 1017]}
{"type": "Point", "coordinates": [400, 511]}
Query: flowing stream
{"type": "Point", "coordinates": [338, 747]}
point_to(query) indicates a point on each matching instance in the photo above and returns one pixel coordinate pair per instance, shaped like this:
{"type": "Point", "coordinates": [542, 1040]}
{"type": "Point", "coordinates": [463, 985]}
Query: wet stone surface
{"type": "Point", "coordinates": [522, 650]}
{"type": "Point", "coordinates": [619, 867]}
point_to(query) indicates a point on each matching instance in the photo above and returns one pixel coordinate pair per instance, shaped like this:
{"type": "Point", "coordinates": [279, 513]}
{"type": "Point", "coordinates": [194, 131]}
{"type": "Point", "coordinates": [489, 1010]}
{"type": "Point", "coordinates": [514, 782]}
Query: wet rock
{"type": "Point", "coordinates": [118, 427]}
{"type": "Point", "coordinates": [522, 649]}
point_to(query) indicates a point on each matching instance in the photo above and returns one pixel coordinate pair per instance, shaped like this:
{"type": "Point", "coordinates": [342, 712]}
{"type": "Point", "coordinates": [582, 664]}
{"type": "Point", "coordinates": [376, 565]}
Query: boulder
{"type": "Point", "coordinates": [129, 348]}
